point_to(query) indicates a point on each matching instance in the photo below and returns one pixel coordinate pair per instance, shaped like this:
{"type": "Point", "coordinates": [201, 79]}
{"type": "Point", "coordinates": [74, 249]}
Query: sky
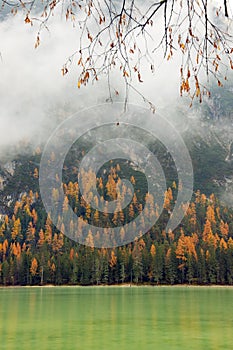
{"type": "Point", "coordinates": [31, 81]}
{"type": "Point", "coordinates": [32, 84]}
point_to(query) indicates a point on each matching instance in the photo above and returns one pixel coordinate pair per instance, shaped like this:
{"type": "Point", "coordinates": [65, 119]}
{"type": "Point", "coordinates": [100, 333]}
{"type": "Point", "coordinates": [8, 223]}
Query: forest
{"type": "Point", "coordinates": [34, 252]}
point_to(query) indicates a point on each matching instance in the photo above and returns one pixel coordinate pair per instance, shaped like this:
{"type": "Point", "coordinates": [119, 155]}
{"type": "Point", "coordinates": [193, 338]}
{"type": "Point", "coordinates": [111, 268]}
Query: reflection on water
{"type": "Point", "coordinates": [116, 318]}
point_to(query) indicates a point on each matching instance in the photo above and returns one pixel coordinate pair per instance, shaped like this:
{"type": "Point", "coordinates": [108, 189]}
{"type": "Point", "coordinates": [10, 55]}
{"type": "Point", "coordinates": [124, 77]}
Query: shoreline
{"type": "Point", "coordinates": [123, 285]}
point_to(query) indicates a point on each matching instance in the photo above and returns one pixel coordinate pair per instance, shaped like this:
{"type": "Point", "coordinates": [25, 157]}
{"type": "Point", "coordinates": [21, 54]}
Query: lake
{"type": "Point", "coordinates": [113, 318]}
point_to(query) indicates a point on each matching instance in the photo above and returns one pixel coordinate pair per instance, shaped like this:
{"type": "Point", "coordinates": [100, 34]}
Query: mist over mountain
{"type": "Point", "coordinates": [35, 98]}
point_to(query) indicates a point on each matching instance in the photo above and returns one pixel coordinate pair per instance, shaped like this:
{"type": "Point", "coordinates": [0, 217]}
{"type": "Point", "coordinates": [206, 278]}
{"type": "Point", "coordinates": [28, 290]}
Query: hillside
{"type": "Point", "coordinates": [199, 251]}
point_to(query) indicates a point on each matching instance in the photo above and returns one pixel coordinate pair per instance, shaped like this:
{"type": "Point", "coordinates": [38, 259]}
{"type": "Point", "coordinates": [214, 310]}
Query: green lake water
{"type": "Point", "coordinates": [116, 318]}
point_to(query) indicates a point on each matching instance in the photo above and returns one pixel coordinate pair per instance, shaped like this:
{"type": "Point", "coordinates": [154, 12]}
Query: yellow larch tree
{"type": "Point", "coordinates": [34, 267]}
{"type": "Point", "coordinates": [113, 259]}
{"type": "Point", "coordinates": [210, 214]}
{"type": "Point", "coordinates": [224, 228]}
{"type": "Point", "coordinates": [16, 230]}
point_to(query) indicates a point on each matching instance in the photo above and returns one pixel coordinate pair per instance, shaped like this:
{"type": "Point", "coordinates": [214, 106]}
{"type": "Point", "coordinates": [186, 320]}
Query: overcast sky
{"type": "Point", "coordinates": [31, 83]}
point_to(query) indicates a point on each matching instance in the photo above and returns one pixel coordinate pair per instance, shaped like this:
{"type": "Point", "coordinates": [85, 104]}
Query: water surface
{"type": "Point", "coordinates": [116, 318]}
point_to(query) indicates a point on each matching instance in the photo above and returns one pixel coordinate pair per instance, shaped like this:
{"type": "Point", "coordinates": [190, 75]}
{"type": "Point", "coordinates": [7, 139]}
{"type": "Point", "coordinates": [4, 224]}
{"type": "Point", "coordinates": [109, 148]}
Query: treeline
{"type": "Point", "coordinates": [34, 252]}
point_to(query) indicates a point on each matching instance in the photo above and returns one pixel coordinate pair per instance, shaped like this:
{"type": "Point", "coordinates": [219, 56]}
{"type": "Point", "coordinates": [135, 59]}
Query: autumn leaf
{"type": "Point", "coordinates": [139, 78]}
{"type": "Point", "coordinates": [198, 91]}
{"type": "Point", "coordinates": [86, 76]}
{"type": "Point", "coordinates": [182, 46]}
{"type": "Point", "coordinates": [89, 37]}
{"type": "Point", "coordinates": [64, 71]}
{"type": "Point", "coordinates": [27, 19]}
{"type": "Point", "coordinates": [168, 57]}
{"type": "Point", "coordinates": [37, 43]}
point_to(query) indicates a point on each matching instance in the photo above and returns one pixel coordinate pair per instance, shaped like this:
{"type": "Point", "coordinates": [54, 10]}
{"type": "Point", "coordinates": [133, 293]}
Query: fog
{"type": "Point", "coordinates": [34, 95]}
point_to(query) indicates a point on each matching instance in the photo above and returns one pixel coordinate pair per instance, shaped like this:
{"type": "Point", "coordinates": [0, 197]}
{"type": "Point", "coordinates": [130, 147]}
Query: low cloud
{"type": "Point", "coordinates": [34, 94]}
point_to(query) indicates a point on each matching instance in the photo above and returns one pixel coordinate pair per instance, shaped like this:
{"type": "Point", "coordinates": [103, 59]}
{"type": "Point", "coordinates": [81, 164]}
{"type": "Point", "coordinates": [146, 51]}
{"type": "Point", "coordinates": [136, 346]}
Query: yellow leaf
{"type": "Point", "coordinates": [198, 91]}
{"type": "Point", "coordinates": [182, 46]}
{"type": "Point", "coordinates": [79, 84]}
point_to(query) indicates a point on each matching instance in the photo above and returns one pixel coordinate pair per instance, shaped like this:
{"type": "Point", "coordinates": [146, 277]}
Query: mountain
{"type": "Point", "coordinates": [198, 251]}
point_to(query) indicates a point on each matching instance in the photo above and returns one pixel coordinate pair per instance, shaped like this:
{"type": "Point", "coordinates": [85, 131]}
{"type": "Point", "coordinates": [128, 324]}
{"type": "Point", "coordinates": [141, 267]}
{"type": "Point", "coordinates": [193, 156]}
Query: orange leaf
{"type": "Point", "coordinates": [27, 19]}
{"type": "Point", "coordinates": [86, 75]}
{"type": "Point", "coordinates": [64, 71]}
{"type": "Point", "coordinates": [89, 37]}
{"type": "Point", "coordinates": [182, 46]}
